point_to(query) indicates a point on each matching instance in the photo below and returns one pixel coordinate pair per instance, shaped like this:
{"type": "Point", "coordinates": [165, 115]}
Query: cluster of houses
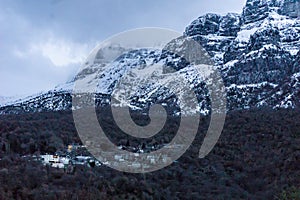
{"type": "Point", "coordinates": [68, 159]}
{"type": "Point", "coordinates": [76, 154]}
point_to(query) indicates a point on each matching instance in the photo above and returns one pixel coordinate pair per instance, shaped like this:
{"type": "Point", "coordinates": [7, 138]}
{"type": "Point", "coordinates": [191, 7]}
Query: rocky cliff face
{"type": "Point", "coordinates": [291, 8]}
{"type": "Point", "coordinates": [256, 51]}
{"type": "Point", "coordinates": [260, 57]}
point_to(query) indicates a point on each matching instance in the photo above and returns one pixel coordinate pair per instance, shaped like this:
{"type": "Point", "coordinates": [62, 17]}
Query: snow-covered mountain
{"type": "Point", "coordinates": [257, 53]}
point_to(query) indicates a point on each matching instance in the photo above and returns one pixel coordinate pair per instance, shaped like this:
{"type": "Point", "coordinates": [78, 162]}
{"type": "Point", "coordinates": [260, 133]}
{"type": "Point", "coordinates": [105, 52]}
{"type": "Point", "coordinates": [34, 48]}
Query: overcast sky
{"type": "Point", "coordinates": [42, 43]}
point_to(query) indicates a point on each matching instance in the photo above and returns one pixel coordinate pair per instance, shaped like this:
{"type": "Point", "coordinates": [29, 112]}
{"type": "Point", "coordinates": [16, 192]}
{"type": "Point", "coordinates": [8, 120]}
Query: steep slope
{"type": "Point", "coordinates": [259, 57]}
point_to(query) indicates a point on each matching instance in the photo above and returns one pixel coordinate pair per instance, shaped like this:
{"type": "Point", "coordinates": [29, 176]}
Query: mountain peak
{"type": "Point", "coordinates": [256, 10]}
{"type": "Point", "coordinates": [257, 52]}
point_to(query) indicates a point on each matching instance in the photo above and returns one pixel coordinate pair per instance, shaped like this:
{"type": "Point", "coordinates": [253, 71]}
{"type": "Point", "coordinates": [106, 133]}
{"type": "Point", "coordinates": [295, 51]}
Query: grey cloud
{"type": "Point", "coordinates": [24, 23]}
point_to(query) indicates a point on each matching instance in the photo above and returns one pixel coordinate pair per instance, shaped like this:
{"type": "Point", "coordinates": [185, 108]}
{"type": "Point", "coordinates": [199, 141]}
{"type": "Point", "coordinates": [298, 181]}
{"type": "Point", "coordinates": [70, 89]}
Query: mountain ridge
{"type": "Point", "coordinates": [257, 53]}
